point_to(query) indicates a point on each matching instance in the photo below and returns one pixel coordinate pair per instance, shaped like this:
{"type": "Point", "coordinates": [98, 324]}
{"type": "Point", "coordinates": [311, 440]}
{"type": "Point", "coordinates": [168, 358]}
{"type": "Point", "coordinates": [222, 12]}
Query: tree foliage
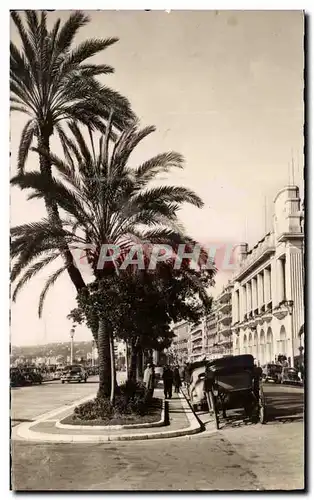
{"type": "Point", "coordinates": [51, 80]}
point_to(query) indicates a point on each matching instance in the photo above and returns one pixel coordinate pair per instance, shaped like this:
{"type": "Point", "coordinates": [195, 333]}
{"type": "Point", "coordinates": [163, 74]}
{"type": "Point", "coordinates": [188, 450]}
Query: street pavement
{"type": "Point", "coordinates": [239, 457]}
{"type": "Point", "coordinates": [27, 403]}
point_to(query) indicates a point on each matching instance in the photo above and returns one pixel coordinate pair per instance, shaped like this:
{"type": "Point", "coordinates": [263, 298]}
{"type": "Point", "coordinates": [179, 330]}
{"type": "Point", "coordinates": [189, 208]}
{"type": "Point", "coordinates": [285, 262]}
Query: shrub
{"type": "Point", "coordinates": [131, 399]}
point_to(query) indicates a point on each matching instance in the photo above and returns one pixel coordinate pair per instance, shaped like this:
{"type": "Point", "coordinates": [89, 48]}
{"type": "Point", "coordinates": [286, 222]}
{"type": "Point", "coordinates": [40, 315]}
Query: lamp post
{"type": "Point", "coordinates": [289, 304]}
{"type": "Point", "coordinates": [72, 331]}
{"type": "Point", "coordinates": [301, 349]}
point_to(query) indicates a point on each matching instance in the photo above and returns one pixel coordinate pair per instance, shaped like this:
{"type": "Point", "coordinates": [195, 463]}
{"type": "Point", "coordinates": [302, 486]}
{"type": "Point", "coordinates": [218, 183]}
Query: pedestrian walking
{"type": "Point", "coordinates": [187, 376]}
{"type": "Point", "coordinates": [149, 380]}
{"type": "Point", "coordinates": [176, 380]}
{"type": "Point", "coordinates": [168, 381]}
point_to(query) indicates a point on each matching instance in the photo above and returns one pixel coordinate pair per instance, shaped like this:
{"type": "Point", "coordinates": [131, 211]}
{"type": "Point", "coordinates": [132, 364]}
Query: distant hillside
{"type": "Point", "coordinates": [52, 350]}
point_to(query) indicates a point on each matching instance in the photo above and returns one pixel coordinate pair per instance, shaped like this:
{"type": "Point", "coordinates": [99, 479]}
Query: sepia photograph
{"type": "Point", "coordinates": [157, 250]}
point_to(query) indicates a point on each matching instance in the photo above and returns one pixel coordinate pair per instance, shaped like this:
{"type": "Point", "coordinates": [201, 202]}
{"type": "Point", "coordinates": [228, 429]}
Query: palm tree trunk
{"type": "Point", "coordinates": [113, 370]}
{"type": "Point", "coordinates": [54, 217]}
{"type": "Point", "coordinates": [52, 209]}
{"type": "Point", "coordinates": [104, 358]}
{"type": "Point", "coordinates": [140, 364]}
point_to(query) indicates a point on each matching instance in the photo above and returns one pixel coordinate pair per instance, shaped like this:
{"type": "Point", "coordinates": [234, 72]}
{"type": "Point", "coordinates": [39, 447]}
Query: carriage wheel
{"type": "Point", "coordinates": [212, 407]}
{"type": "Point", "coordinates": [262, 417]}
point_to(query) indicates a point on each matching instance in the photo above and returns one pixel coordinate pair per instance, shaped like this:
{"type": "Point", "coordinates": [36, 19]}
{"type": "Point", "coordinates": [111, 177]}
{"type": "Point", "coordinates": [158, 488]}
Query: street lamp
{"type": "Point", "coordinates": [72, 331]}
{"type": "Point", "coordinates": [289, 305]}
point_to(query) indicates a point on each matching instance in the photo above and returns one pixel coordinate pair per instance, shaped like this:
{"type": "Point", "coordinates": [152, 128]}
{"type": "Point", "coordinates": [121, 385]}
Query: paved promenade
{"type": "Point", "coordinates": [243, 457]}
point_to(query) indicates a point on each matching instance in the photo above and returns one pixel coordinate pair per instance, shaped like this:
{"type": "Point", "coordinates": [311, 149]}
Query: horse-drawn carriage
{"type": "Point", "coordinates": [232, 382]}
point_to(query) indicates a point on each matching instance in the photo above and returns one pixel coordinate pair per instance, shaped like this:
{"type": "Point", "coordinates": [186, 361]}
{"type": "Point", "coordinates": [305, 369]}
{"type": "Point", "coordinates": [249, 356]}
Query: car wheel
{"type": "Point", "coordinates": [62, 381]}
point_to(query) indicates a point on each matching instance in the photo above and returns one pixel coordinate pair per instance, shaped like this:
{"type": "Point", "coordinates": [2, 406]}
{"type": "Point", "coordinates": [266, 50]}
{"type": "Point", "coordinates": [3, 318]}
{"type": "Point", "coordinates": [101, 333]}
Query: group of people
{"type": "Point", "coordinates": [171, 378]}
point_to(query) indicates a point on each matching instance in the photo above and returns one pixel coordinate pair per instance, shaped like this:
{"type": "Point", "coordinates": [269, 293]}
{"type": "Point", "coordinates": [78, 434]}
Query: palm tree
{"type": "Point", "coordinates": [51, 83]}
{"type": "Point", "coordinates": [105, 201]}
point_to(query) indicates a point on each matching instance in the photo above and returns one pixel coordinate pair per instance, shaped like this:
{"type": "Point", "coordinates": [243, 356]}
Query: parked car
{"type": "Point", "coordinates": [17, 378]}
{"type": "Point", "coordinates": [74, 373]}
{"type": "Point", "coordinates": [36, 376]}
{"type": "Point", "coordinates": [290, 376]}
{"type": "Point", "coordinates": [57, 374]}
{"type": "Point", "coordinates": [272, 372]}
{"type": "Point", "coordinates": [196, 387]}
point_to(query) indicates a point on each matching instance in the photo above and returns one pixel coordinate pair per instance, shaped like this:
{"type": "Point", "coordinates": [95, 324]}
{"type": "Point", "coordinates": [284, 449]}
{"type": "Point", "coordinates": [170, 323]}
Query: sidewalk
{"type": "Point", "coordinates": [181, 421]}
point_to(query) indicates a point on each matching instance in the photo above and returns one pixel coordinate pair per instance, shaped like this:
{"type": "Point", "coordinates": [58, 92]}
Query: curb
{"type": "Point", "coordinates": [159, 423]}
{"type": "Point", "coordinates": [203, 427]}
{"type": "Point", "coordinates": [24, 431]}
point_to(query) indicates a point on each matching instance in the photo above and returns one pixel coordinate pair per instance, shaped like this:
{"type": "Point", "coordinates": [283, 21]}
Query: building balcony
{"type": "Point", "coordinates": [196, 349]}
{"type": "Point", "coordinates": [197, 334]}
{"type": "Point", "coordinates": [225, 331]}
{"type": "Point", "coordinates": [225, 307]}
{"type": "Point", "coordinates": [211, 334]}
{"type": "Point", "coordinates": [225, 295]}
{"type": "Point", "coordinates": [226, 343]}
{"type": "Point", "coordinates": [225, 319]}
{"type": "Point", "coordinates": [196, 346]}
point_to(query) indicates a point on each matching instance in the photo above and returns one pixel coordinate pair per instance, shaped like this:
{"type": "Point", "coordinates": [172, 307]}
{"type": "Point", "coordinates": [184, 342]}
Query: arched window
{"type": "Point", "coordinates": [282, 342]}
{"type": "Point", "coordinates": [245, 344]}
{"type": "Point", "coordinates": [250, 344]}
{"type": "Point", "coordinates": [269, 346]}
{"type": "Point", "coordinates": [262, 347]}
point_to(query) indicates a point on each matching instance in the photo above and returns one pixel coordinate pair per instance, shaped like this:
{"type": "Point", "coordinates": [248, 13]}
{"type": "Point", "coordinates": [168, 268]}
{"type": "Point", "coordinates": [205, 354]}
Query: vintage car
{"type": "Point", "coordinates": [74, 373]}
{"type": "Point", "coordinates": [17, 378]}
{"type": "Point", "coordinates": [272, 372]}
{"type": "Point", "coordinates": [290, 376]}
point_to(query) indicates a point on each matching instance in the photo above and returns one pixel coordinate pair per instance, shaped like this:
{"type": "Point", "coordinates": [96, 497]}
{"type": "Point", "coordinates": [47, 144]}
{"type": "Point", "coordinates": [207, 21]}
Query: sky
{"type": "Point", "coordinates": [223, 88]}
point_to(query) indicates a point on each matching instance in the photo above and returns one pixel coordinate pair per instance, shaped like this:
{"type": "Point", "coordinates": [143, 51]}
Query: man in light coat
{"type": "Point", "coordinates": [148, 379]}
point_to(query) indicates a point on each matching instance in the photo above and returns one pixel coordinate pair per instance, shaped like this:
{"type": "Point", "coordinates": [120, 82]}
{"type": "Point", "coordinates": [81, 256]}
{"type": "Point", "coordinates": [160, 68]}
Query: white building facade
{"type": "Point", "coordinates": [268, 291]}
{"type": "Point", "coordinates": [224, 321]}
{"type": "Point", "coordinates": [180, 342]}
{"type": "Point", "coordinates": [196, 344]}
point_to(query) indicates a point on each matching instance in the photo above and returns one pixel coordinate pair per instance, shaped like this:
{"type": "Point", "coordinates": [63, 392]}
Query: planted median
{"type": "Point", "coordinates": [133, 405]}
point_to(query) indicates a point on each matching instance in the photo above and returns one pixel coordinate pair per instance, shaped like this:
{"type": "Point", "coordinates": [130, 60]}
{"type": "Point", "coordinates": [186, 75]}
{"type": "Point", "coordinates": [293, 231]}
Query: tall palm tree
{"type": "Point", "coordinates": [51, 82]}
{"type": "Point", "coordinates": [105, 201]}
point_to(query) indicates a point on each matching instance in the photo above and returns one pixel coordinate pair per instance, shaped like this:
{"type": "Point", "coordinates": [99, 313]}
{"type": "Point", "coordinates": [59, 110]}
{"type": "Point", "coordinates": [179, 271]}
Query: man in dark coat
{"type": "Point", "coordinates": [167, 377]}
{"type": "Point", "coordinates": [176, 379]}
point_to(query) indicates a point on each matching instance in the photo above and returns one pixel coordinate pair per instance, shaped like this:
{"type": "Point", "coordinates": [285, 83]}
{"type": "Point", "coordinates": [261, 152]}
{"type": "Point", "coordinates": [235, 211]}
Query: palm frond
{"type": "Point", "coordinates": [126, 144]}
{"type": "Point", "coordinates": [68, 31]}
{"type": "Point", "coordinates": [31, 272]}
{"type": "Point", "coordinates": [25, 144]}
{"type": "Point", "coordinates": [86, 50]}
{"type": "Point", "coordinates": [88, 70]}
{"type": "Point", "coordinates": [49, 283]}
{"type": "Point", "coordinates": [172, 194]}
{"type": "Point", "coordinates": [161, 163]}
{"type": "Point", "coordinates": [27, 44]}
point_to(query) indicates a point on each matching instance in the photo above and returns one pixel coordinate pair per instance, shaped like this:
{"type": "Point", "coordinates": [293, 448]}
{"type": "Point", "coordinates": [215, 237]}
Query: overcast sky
{"type": "Point", "coordinates": [225, 89]}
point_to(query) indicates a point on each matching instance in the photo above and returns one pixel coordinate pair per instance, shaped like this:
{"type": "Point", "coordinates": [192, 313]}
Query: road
{"type": "Point", "coordinates": [27, 403]}
{"type": "Point", "coordinates": [239, 457]}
